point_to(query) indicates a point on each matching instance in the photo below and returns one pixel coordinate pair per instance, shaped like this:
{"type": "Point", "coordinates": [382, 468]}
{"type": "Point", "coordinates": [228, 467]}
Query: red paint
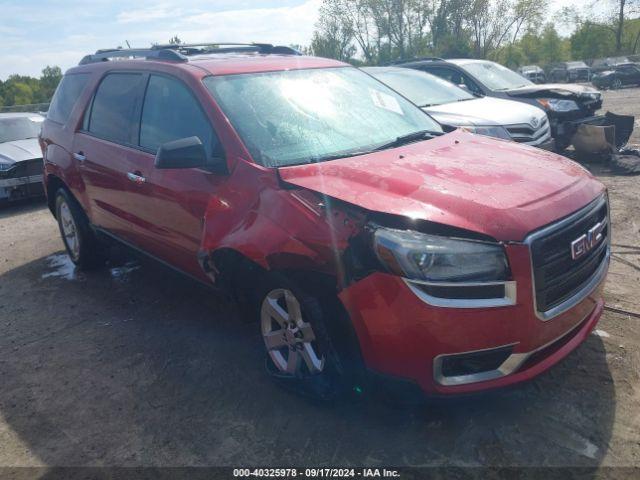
{"type": "Point", "coordinates": [503, 189]}
{"type": "Point", "coordinates": [276, 218]}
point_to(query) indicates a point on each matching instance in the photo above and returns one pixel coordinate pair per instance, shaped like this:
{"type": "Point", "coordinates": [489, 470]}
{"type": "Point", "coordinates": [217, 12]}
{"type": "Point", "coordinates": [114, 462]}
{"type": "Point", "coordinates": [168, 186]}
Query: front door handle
{"type": "Point", "coordinates": [79, 156]}
{"type": "Point", "coordinates": [136, 177]}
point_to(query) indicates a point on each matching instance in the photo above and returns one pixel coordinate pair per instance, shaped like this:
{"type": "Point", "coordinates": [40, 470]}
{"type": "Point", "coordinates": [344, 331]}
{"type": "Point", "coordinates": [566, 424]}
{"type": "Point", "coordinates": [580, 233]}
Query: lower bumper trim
{"type": "Point", "coordinates": [512, 363]}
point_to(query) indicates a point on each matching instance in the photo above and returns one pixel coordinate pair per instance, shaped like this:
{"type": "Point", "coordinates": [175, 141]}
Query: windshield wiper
{"type": "Point", "coordinates": [326, 158]}
{"type": "Point", "coordinates": [409, 138]}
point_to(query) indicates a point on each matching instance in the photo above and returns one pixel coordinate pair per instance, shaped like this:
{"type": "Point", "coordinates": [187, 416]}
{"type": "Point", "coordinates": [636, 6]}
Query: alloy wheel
{"type": "Point", "coordinates": [289, 339]}
{"type": "Point", "coordinates": [70, 233]}
{"type": "Point", "coordinates": [617, 83]}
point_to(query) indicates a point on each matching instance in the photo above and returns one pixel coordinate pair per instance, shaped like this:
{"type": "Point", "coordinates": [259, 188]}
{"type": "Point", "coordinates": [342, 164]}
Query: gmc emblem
{"type": "Point", "coordinates": [588, 241]}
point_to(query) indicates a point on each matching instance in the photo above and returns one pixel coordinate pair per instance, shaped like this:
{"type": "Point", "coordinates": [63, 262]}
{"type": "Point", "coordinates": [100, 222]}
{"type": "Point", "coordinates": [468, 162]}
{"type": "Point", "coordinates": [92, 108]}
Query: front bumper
{"type": "Point", "coordinates": [21, 187]}
{"type": "Point", "coordinates": [22, 180]}
{"type": "Point", "coordinates": [404, 338]}
{"type": "Point", "coordinates": [623, 125]}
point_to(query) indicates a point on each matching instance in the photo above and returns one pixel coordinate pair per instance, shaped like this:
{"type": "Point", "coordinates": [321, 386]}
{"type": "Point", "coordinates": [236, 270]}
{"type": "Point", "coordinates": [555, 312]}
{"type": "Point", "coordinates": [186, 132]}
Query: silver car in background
{"type": "Point", "coordinates": [20, 156]}
{"type": "Point", "coordinates": [452, 106]}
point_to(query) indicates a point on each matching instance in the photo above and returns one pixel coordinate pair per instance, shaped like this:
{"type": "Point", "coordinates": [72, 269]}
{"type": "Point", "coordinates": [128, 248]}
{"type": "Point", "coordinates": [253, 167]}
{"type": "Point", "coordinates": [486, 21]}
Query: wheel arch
{"type": "Point", "coordinates": [228, 265]}
{"type": "Point", "coordinates": [53, 184]}
{"type": "Point", "coordinates": [238, 272]}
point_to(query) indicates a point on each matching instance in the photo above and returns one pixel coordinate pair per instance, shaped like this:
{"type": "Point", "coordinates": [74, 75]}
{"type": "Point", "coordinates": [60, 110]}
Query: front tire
{"type": "Point", "coordinates": [79, 240]}
{"type": "Point", "coordinates": [301, 353]}
{"type": "Point", "coordinates": [616, 84]}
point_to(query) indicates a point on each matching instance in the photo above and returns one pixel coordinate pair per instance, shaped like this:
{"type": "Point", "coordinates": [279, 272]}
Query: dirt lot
{"type": "Point", "coordinates": [134, 365]}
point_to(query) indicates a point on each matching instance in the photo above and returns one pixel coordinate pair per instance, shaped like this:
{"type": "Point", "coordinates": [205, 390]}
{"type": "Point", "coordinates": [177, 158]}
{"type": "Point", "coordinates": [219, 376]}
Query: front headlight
{"type": "Point", "coordinates": [497, 132]}
{"type": "Point", "coordinates": [558, 105]}
{"type": "Point", "coordinates": [433, 258]}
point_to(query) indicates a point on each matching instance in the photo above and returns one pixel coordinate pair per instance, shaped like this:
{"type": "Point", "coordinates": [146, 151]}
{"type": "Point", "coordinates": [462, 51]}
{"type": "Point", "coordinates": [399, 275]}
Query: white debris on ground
{"type": "Point", "coordinates": [601, 333]}
{"type": "Point", "coordinates": [63, 267]}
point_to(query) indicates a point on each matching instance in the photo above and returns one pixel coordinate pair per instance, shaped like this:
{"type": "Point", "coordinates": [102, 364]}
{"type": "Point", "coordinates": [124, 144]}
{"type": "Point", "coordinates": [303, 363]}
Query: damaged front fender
{"type": "Point", "coordinates": [283, 229]}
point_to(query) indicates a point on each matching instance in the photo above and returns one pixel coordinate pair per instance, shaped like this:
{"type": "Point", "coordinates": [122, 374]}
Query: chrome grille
{"type": "Point", "coordinates": [526, 133]}
{"type": "Point", "coordinates": [558, 277]}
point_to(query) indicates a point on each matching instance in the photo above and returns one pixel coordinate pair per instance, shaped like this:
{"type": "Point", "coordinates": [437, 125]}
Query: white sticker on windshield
{"type": "Point", "coordinates": [386, 101]}
{"type": "Point", "coordinates": [37, 119]}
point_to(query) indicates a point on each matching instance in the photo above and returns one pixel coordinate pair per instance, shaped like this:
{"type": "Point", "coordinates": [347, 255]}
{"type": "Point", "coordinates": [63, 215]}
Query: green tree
{"type": "Point", "coordinates": [531, 46]}
{"type": "Point", "coordinates": [552, 47]}
{"type": "Point", "coordinates": [49, 81]}
{"type": "Point", "coordinates": [17, 93]}
{"type": "Point", "coordinates": [334, 35]}
{"type": "Point", "coordinates": [592, 40]}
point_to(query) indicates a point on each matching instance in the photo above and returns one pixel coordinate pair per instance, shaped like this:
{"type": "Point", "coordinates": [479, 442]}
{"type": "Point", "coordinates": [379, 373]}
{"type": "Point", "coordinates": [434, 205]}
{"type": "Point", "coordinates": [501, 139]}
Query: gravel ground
{"type": "Point", "coordinates": [136, 366]}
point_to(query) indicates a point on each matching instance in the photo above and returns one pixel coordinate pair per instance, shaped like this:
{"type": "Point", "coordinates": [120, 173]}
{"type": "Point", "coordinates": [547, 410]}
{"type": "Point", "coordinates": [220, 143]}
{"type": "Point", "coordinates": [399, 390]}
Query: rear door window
{"type": "Point", "coordinates": [113, 112]}
{"type": "Point", "coordinates": [66, 96]}
{"type": "Point", "coordinates": [171, 112]}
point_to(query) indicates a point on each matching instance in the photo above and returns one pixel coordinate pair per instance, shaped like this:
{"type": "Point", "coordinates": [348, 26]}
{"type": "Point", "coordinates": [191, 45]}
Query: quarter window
{"type": "Point", "coordinates": [114, 107]}
{"type": "Point", "coordinates": [171, 112]}
{"type": "Point", "coordinates": [66, 96]}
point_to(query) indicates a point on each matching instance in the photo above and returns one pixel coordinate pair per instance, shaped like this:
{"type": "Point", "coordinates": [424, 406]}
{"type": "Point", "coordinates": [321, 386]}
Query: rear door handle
{"type": "Point", "coordinates": [79, 156]}
{"type": "Point", "coordinates": [136, 177]}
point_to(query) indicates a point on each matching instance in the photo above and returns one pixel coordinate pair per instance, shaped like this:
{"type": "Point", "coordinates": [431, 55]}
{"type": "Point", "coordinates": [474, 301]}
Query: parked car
{"type": "Point", "coordinates": [566, 105]}
{"type": "Point", "coordinates": [618, 77]}
{"type": "Point", "coordinates": [374, 250]}
{"type": "Point", "coordinates": [569, 72]}
{"type": "Point", "coordinates": [455, 107]}
{"type": "Point", "coordinates": [603, 64]}
{"type": "Point", "coordinates": [20, 156]}
{"type": "Point", "coordinates": [534, 73]}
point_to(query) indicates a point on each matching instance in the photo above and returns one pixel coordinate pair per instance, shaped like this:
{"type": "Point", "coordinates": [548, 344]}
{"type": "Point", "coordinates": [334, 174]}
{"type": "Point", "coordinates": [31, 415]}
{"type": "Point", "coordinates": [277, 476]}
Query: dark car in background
{"type": "Point", "coordinates": [608, 63]}
{"type": "Point", "coordinates": [534, 73]}
{"type": "Point", "coordinates": [569, 72]}
{"type": "Point", "coordinates": [20, 156]}
{"type": "Point", "coordinates": [618, 76]}
{"type": "Point", "coordinates": [566, 105]}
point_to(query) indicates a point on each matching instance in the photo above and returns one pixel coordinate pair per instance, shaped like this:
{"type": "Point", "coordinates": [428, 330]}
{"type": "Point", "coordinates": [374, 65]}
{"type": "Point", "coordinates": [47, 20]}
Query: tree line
{"type": "Point", "coordinates": [25, 90]}
{"type": "Point", "coordinates": [512, 32]}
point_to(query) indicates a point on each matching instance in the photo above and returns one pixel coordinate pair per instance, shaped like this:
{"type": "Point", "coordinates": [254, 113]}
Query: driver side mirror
{"type": "Point", "coordinates": [188, 153]}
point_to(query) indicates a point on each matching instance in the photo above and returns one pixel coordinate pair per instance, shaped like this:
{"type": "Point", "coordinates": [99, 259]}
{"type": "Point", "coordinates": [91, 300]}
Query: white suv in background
{"type": "Point", "coordinates": [453, 106]}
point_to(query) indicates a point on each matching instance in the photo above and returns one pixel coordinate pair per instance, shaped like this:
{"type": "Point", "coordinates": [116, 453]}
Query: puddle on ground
{"type": "Point", "coordinates": [123, 273]}
{"type": "Point", "coordinates": [61, 266]}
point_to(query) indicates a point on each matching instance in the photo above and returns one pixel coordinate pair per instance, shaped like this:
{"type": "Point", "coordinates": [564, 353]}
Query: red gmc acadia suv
{"type": "Point", "coordinates": [372, 247]}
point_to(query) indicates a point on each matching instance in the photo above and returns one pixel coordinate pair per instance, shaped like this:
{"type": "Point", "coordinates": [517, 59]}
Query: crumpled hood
{"type": "Point", "coordinates": [485, 111]}
{"type": "Point", "coordinates": [562, 89]}
{"type": "Point", "coordinates": [20, 150]}
{"type": "Point", "coordinates": [499, 188]}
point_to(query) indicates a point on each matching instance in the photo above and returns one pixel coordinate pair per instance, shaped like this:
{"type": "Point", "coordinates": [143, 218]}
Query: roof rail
{"type": "Point", "coordinates": [159, 54]}
{"type": "Point", "coordinates": [420, 59]}
{"type": "Point", "coordinates": [179, 53]}
{"type": "Point", "coordinates": [218, 47]}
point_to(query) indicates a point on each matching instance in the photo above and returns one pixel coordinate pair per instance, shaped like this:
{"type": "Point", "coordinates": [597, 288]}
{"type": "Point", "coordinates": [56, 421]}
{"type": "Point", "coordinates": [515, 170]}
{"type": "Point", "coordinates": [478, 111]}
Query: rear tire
{"type": "Point", "coordinates": [81, 244]}
{"type": "Point", "coordinates": [616, 84]}
{"type": "Point", "coordinates": [301, 354]}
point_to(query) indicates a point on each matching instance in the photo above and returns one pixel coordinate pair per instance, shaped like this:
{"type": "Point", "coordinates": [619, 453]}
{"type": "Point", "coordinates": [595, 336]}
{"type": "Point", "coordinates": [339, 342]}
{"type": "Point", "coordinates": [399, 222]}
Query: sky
{"type": "Point", "coordinates": [37, 33]}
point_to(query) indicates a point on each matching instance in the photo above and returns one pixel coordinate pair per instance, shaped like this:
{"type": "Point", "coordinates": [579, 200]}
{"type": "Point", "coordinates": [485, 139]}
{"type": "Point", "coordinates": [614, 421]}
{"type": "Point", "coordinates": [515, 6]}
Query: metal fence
{"type": "Point", "coordinates": [35, 107]}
